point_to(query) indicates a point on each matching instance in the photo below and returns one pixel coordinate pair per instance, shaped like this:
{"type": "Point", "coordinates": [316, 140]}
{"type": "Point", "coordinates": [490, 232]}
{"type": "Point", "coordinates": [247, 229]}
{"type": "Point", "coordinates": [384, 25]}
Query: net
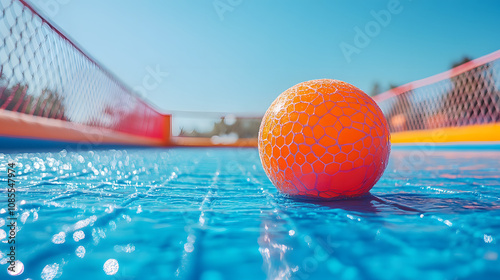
{"type": "Point", "coordinates": [44, 74]}
{"type": "Point", "coordinates": [465, 95]}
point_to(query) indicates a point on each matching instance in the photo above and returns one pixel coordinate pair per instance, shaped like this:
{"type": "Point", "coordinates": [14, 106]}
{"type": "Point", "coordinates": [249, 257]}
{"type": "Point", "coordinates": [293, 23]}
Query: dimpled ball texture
{"type": "Point", "coordinates": [324, 139]}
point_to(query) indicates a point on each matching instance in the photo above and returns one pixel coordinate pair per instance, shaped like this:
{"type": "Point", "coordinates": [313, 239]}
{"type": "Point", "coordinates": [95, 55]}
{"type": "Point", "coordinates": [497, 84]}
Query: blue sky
{"type": "Point", "coordinates": [241, 57]}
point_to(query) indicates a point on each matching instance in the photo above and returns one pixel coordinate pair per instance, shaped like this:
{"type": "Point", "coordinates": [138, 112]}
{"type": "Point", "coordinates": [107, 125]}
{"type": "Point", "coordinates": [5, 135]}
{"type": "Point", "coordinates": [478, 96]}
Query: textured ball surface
{"type": "Point", "coordinates": [324, 139]}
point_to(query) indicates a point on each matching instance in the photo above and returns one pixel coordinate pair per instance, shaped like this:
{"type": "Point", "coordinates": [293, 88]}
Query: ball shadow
{"type": "Point", "coordinates": [405, 203]}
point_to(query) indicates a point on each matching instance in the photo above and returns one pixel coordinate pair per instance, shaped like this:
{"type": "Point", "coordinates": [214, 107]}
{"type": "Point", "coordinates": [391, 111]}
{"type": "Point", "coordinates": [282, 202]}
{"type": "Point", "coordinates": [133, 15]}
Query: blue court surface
{"type": "Point", "coordinates": [211, 213]}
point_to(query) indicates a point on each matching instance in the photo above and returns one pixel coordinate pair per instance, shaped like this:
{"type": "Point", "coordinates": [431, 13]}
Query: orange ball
{"type": "Point", "coordinates": [324, 139]}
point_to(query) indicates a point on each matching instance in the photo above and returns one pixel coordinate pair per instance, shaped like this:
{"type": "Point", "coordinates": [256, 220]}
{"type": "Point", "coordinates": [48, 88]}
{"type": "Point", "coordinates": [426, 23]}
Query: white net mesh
{"type": "Point", "coordinates": [45, 74]}
{"type": "Point", "coordinates": [466, 95]}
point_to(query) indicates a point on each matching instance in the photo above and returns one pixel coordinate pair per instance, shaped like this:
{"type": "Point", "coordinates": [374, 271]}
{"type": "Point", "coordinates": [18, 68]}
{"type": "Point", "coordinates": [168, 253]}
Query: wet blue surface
{"type": "Point", "coordinates": [213, 214]}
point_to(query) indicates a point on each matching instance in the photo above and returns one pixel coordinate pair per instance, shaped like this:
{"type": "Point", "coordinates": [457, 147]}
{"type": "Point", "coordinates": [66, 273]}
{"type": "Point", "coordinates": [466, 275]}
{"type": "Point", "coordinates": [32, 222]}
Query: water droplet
{"type": "Point", "coordinates": [129, 248]}
{"type": "Point", "coordinates": [111, 267]}
{"type": "Point", "coordinates": [78, 235]}
{"type": "Point", "coordinates": [97, 235]}
{"type": "Point", "coordinates": [110, 209]}
{"type": "Point", "coordinates": [59, 238]}
{"type": "Point", "coordinates": [127, 218]}
{"type": "Point", "coordinates": [488, 238]}
{"type": "Point", "coordinates": [49, 272]}
{"type": "Point", "coordinates": [18, 269]}
{"type": "Point", "coordinates": [188, 247]}
{"type": "Point", "coordinates": [80, 251]}
{"type": "Point", "coordinates": [85, 222]}
{"type": "Point", "coordinates": [25, 216]}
